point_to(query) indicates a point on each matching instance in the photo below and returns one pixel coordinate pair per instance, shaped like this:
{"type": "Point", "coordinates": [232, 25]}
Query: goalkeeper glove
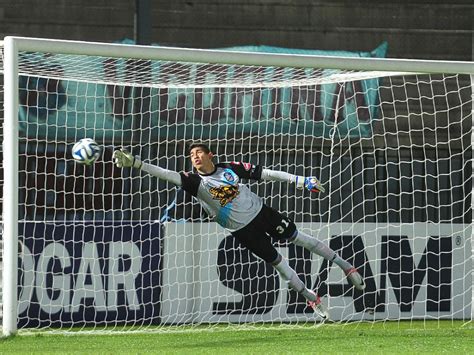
{"type": "Point", "coordinates": [123, 159]}
{"type": "Point", "coordinates": [310, 183]}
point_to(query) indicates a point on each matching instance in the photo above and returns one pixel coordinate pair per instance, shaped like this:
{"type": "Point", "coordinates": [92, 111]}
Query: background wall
{"type": "Point", "coordinates": [427, 29]}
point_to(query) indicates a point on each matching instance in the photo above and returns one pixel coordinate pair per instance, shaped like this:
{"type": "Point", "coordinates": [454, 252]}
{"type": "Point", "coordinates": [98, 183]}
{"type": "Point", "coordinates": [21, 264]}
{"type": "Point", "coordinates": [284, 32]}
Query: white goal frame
{"type": "Point", "coordinates": [12, 47]}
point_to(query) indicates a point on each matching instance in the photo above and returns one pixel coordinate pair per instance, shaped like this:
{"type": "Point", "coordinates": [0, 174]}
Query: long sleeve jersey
{"type": "Point", "coordinates": [222, 195]}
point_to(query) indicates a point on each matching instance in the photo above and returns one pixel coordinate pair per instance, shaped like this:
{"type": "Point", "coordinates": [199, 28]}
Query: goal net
{"type": "Point", "coordinates": [101, 248]}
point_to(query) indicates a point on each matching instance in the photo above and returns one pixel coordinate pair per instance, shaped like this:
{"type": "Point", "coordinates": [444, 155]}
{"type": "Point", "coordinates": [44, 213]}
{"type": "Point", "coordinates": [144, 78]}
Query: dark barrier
{"type": "Point", "coordinates": [86, 273]}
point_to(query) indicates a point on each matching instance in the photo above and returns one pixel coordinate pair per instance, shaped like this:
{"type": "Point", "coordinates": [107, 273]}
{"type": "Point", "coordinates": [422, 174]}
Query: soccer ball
{"type": "Point", "coordinates": [86, 151]}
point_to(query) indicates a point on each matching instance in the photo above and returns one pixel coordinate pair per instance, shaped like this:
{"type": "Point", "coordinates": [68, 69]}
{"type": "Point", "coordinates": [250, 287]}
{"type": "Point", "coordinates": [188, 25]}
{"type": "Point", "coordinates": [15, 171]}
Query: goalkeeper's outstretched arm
{"type": "Point", "coordinates": [124, 159]}
{"type": "Point", "coordinates": [310, 183]}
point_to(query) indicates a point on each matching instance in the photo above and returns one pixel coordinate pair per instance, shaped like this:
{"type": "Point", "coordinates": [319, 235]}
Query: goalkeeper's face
{"type": "Point", "coordinates": [202, 160]}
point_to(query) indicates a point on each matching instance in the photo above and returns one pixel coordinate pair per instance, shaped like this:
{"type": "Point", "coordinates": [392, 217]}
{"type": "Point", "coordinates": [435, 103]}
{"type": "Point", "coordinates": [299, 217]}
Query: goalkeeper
{"type": "Point", "coordinates": [233, 206]}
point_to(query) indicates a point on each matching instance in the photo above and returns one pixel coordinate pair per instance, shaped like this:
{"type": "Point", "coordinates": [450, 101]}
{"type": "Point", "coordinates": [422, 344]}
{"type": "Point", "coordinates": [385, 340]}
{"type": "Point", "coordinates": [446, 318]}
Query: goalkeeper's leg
{"type": "Point", "coordinates": [315, 246]}
{"type": "Point", "coordinates": [290, 276]}
{"type": "Point", "coordinates": [261, 245]}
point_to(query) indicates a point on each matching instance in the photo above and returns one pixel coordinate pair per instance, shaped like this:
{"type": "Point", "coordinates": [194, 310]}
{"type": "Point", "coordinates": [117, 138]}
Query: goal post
{"type": "Point", "coordinates": [10, 200]}
{"type": "Point", "coordinates": [391, 138]}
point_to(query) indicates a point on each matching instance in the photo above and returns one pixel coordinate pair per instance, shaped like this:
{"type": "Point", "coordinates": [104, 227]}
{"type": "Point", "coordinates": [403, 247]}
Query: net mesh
{"type": "Point", "coordinates": [108, 248]}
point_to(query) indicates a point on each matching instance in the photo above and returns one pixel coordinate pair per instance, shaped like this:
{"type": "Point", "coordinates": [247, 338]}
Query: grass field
{"type": "Point", "coordinates": [394, 337]}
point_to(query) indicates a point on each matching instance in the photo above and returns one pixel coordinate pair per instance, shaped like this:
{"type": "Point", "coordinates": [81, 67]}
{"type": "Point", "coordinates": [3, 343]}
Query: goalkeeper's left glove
{"type": "Point", "coordinates": [123, 159]}
{"type": "Point", "coordinates": [310, 183]}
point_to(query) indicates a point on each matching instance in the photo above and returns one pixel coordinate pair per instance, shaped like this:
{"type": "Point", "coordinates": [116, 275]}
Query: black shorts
{"type": "Point", "coordinates": [268, 226]}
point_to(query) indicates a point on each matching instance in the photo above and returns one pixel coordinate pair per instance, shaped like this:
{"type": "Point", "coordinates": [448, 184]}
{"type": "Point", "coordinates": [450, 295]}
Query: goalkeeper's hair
{"type": "Point", "coordinates": [203, 146]}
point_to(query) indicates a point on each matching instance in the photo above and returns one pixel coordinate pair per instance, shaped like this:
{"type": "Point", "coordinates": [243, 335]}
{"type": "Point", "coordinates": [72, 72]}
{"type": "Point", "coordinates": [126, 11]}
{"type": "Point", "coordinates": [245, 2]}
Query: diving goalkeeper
{"type": "Point", "coordinates": [233, 206]}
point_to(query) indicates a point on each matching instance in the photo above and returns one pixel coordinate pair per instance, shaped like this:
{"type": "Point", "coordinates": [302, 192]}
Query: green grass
{"type": "Point", "coordinates": [394, 337]}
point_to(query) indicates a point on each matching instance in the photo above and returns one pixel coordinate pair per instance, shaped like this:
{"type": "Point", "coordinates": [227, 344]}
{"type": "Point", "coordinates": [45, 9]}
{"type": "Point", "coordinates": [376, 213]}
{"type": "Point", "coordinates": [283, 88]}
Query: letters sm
{"type": "Point", "coordinates": [413, 270]}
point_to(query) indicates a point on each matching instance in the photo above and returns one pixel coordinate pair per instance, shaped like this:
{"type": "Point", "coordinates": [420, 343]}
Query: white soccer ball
{"type": "Point", "coordinates": [86, 151]}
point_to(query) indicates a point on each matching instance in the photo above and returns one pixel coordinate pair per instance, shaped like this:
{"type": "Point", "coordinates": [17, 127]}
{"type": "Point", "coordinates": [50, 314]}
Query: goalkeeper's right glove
{"type": "Point", "coordinates": [123, 159]}
{"type": "Point", "coordinates": [310, 183]}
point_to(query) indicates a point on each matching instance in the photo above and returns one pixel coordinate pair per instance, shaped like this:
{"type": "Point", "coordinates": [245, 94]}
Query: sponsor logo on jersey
{"type": "Point", "coordinates": [228, 176]}
{"type": "Point", "coordinates": [224, 194]}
